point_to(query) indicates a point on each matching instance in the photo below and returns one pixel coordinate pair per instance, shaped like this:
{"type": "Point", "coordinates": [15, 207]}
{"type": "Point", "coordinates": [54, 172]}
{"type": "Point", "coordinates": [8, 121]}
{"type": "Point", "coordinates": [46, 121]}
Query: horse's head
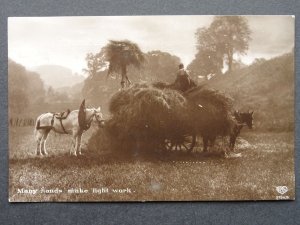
{"type": "Point", "coordinates": [247, 118]}
{"type": "Point", "coordinates": [98, 116]}
{"type": "Point", "coordinates": [237, 115]}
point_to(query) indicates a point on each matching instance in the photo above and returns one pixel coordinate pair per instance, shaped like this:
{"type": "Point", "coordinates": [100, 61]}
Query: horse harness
{"type": "Point", "coordinates": [88, 124]}
{"type": "Point", "coordinates": [239, 124]}
{"type": "Point", "coordinates": [61, 116]}
{"type": "Point", "coordinates": [64, 115]}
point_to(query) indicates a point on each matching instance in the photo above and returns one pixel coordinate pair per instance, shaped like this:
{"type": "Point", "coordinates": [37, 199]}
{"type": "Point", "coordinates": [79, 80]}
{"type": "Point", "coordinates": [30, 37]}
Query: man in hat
{"type": "Point", "coordinates": [182, 82]}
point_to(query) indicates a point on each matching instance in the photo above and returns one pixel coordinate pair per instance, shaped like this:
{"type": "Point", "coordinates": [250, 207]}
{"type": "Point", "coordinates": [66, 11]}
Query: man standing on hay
{"type": "Point", "coordinates": [183, 81]}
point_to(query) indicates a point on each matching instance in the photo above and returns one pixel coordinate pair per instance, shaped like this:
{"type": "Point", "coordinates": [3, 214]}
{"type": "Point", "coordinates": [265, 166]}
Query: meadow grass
{"type": "Point", "coordinates": [267, 162]}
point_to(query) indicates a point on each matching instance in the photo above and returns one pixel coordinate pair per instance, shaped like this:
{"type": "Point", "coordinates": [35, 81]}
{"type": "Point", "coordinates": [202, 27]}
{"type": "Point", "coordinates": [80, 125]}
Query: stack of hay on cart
{"type": "Point", "coordinates": [210, 111]}
{"type": "Point", "coordinates": [144, 116]}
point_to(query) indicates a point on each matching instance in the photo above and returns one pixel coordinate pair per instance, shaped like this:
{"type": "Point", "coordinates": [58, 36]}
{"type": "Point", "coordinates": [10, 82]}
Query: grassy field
{"type": "Point", "coordinates": [267, 162]}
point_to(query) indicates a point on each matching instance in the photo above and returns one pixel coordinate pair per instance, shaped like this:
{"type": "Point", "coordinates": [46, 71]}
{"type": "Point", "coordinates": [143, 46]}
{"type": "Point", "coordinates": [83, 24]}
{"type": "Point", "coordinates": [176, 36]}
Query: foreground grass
{"type": "Point", "coordinates": [267, 162]}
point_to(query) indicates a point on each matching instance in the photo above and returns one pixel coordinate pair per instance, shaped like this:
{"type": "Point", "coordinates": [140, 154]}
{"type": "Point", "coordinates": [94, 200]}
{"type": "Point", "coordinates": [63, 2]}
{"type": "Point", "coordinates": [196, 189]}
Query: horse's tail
{"type": "Point", "coordinates": [37, 126]}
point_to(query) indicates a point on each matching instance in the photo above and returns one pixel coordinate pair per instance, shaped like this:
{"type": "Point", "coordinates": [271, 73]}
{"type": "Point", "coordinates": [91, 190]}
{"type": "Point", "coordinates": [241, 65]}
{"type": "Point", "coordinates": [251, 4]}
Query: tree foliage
{"type": "Point", "coordinates": [158, 66]}
{"type": "Point", "coordinates": [25, 88]}
{"type": "Point", "coordinates": [226, 36]}
{"type": "Point", "coordinates": [121, 54]}
{"type": "Point", "coordinates": [95, 63]}
{"type": "Point", "coordinates": [206, 62]}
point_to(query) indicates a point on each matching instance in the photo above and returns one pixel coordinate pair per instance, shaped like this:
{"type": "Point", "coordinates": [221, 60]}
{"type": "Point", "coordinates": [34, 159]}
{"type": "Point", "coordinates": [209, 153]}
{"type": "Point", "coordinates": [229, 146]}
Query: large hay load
{"type": "Point", "coordinates": [145, 117]}
{"type": "Point", "coordinates": [210, 111]}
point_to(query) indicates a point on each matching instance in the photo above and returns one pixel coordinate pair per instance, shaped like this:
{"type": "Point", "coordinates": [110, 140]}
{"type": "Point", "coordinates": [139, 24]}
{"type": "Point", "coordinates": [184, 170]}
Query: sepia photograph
{"type": "Point", "coordinates": [151, 108]}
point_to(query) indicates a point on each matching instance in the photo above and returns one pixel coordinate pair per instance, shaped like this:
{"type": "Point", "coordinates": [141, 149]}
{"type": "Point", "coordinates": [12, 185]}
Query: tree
{"type": "Point", "coordinates": [226, 36]}
{"type": "Point", "coordinates": [206, 63]}
{"type": "Point", "coordinates": [25, 88]}
{"type": "Point", "coordinates": [121, 54]}
{"type": "Point", "coordinates": [95, 63]}
{"type": "Point", "coordinates": [158, 66]}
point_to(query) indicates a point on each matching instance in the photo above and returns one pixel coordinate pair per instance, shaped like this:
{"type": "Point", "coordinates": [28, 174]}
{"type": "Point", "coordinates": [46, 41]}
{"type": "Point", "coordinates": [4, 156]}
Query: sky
{"type": "Point", "coordinates": [65, 41]}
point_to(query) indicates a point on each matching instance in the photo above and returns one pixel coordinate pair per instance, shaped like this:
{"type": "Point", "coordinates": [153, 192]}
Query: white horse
{"type": "Point", "coordinates": [69, 125]}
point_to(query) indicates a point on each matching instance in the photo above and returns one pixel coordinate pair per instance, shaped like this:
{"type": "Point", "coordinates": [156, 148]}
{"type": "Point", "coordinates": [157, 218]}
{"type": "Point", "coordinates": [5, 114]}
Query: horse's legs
{"type": "Point", "coordinates": [79, 143]}
{"type": "Point", "coordinates": [128, 81]}
{"type": "Point", "coordinates": [38, 136]}
{"type": "Point", "coordinates": [205, 143]}
{"type": "Point", "coordinates": [43, 143]}
{"type": "Point", "coordinates": [123, 82]}
{"type": "Point", "coordinates": [232, 142]}
{"type": "Point", "coordinates": [212, 140]}
{"type": "Point", "coordinates": [77, 140]}
{"type": "Point", "coordinates": [74, 145]}
{"type": "Point", "coordinates": [38, 147]}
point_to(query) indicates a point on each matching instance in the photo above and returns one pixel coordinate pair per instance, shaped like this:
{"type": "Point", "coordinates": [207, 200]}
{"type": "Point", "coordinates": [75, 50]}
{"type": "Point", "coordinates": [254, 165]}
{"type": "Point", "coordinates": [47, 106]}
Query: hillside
{"type": "Point", "coordinates": [25, 88]}
{"type": "Point", "coordinates": [73, 92]}
{"type": "Point", "coordinates": [267, 87]}
{"type": "Point", "coordinates": [57, 76]}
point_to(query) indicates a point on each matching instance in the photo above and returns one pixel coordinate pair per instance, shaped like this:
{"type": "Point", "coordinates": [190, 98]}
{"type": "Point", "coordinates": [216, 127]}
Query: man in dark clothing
{"type": "Point", "coordinates": [182, 82]}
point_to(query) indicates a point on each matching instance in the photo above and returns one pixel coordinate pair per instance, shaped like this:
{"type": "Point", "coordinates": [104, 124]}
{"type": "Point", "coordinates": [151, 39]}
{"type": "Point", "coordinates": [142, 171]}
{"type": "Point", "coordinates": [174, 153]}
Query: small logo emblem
{"type": "Point", "coordinates": [282, 189]}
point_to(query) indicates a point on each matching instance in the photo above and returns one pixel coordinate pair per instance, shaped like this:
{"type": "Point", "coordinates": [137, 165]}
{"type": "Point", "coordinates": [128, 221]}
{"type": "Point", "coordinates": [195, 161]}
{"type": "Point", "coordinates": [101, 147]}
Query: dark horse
{"type": "Point", "coordinates": [240, 120]}
{"type": "Point", "coordinates": [209, 108]}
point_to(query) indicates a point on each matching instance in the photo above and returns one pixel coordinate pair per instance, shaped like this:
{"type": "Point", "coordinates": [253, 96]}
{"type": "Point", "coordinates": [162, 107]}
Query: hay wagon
{"type": "Point", "coordinates": [184, 142]}
{"type": "Point", "coordinates": [159, 116]}
{"type": "Point", "coordinates": [180, 136]}
{"type": "Point", "coordinates": [207, 114]}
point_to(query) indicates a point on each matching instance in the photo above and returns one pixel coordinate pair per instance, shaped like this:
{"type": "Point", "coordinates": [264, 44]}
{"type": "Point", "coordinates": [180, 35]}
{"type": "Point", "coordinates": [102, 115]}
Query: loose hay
{"type": "Point", "coordinates": [143, 116]}
{"type": "Point", "coordinates": [210, 111]}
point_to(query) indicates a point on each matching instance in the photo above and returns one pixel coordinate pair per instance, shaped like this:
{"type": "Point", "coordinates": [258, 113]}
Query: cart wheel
{"type": "Point", "coordinates": [183, 143]}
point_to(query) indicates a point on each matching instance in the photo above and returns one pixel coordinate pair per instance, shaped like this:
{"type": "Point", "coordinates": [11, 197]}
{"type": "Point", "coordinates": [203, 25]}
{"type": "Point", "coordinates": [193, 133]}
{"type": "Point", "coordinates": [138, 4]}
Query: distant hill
{"type": "Point", "coordinates": [267, 87]}
{"type": "Point", "coordinates": [25, 88]}
{"type": "Point", "coordinates": [57, 76]}
{"type": "Point", "coordinates": [73, 92]}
